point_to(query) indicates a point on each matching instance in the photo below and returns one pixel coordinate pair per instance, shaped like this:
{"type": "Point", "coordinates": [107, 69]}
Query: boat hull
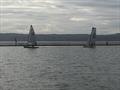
{"type": "Point", "coordinates": [86, 46]}
{"type": "Point", "coordinates": [33, 47]}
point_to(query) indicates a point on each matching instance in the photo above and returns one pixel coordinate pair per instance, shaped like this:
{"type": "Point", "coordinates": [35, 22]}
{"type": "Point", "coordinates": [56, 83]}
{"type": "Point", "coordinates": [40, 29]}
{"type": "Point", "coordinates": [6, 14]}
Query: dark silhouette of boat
{"type": "Point", "coordinates": [26, 46]}
{"type": "Point", "coordinates": [86, 46]}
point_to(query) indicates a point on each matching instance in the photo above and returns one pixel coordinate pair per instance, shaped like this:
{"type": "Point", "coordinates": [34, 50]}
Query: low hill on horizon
{"type": "Point", "coordinates": [58, 37]}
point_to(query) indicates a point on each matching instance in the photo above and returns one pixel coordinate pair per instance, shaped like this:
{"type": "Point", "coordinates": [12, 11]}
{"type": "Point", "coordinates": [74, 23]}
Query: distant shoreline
{"type": "Point", "coordinates": [59, 37]}
{"type": "Point", "coordinates": [59, 43]}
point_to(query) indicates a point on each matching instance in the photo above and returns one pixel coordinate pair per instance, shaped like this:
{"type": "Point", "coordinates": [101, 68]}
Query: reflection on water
{"type": "Point", "coordinates": [60, 68]}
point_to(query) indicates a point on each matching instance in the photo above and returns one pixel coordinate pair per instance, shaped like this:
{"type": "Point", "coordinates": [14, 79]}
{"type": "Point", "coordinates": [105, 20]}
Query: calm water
{"type": "Point", "coordinates": [60, 68]}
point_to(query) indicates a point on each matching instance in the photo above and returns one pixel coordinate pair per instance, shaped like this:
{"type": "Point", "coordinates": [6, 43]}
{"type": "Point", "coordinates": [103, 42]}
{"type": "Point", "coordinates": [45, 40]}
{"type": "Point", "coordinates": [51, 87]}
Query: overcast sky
{"type": "Point", "coordinates": [60, 16]}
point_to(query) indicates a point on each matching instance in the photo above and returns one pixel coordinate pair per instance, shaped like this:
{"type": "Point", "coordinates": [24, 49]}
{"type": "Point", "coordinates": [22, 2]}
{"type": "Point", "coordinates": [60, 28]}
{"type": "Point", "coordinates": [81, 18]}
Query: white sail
{"type": "Point", "coordinates": [92, 38]}
{"type": "Point", "coordinates": [31, 36]}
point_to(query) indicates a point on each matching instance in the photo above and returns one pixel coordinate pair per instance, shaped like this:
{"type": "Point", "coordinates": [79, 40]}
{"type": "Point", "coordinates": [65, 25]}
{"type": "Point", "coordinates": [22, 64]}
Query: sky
{"type": "Point", "coordinates": [60, 16]}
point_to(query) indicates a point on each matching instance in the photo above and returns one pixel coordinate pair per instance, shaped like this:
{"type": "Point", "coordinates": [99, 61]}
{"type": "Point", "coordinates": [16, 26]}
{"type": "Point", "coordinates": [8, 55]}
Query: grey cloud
{"type": "Point", "coordinates": [55, 16]}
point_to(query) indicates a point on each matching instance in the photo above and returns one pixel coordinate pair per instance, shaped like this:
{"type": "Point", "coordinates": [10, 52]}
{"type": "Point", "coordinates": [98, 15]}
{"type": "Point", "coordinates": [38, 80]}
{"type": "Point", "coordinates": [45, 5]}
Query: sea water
{"type": "Point", "coordinates": [60, 68]}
